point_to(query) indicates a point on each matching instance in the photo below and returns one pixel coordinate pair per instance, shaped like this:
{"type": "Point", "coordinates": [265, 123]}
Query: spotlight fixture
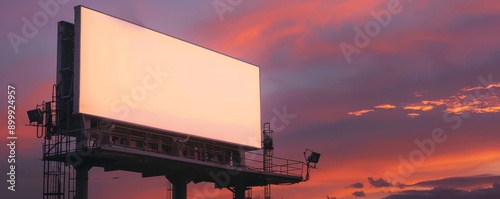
{"type": "Point", "coordinates": [311, 161]}
{"type": "Point", "coordinates": [35, 115]}
{"type": "Point", "coordinates": [314, 157]}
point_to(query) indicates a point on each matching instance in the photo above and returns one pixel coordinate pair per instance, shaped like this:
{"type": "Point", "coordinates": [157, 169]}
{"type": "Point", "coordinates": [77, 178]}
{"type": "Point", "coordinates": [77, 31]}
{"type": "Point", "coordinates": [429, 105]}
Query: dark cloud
{"type": "Point", "coordinates": [357, 185]}
{"type": "Point", "coordinates": [461, 182]}
{"type": "Point", "coordinates": [439, 193]}
{"type": "Point", "coordinates": [359, 194]}
{"type": "Point", "coordinates": [378, 183]}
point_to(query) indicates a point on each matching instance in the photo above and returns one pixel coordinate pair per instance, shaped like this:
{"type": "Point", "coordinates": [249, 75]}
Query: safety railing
{"type": "Point", "coordinates": [61, 144]}
{"type": "Point", "coordinates": [253, 160]}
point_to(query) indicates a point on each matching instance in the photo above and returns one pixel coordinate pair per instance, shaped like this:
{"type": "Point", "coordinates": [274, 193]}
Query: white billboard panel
{"type": "Point", "coordinates": [129, 73]}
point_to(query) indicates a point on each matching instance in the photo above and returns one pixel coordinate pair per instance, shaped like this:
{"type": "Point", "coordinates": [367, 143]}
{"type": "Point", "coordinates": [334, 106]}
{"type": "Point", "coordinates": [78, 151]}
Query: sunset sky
{"type": "Point", "coordinates": [401, 98]}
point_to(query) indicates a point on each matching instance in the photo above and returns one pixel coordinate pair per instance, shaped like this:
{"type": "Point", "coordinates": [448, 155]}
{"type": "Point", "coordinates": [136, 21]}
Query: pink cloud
{"type": "Point", "coordinates": [413, 115]}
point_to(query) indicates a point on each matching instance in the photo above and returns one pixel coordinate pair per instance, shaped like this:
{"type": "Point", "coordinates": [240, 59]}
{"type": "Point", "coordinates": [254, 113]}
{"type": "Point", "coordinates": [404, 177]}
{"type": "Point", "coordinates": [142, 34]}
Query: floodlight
{"type": "Point", "coordinates": [313, 157]}
{"type": "Point", "coordinates": [35, 115]}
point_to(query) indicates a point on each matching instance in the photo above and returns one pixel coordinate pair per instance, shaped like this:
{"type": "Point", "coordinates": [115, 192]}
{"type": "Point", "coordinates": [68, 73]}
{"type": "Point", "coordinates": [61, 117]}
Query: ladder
{"type": "Point", "coordinates": [268, 155]}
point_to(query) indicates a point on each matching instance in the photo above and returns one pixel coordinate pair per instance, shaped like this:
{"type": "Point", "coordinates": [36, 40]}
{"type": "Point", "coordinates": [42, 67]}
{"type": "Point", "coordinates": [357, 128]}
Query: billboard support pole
{"type": "Point", "coordinates": [82, 181]}
{"type": "Point", "coordinates": [179, 186]}
{"type": "Point", "coordinates": [239, 191]}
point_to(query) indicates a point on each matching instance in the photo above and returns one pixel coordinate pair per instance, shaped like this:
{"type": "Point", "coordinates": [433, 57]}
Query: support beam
{"type": "Point", "coordinates": [239, 192]}
{"type": "Point", "coordinates": [82, 181]}
{"type": "Point", "coordinates": [179, 186]}
{"type": "Point", "coordinates": [82, 171]}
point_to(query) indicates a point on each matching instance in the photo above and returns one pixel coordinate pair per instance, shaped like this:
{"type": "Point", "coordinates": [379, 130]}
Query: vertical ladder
{"type": "Point", "coordinates": [268, 155]}
{"type": "Point", "coordinates": [53, 180]}
{"type": "Point", "coordinates": [53, 172]}
{"type": "Point", "coordinates": [70, 171]}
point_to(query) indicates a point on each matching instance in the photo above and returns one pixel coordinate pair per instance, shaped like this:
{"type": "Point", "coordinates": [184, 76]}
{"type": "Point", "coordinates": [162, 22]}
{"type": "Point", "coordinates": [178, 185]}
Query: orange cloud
{"type": "Point", "coordinates": [435, 102]}
{"type": "Point", "coordinates": [385, 106]}
{"type": "Point", "coordinates": [418, 107]}
{"type": "Point", "coordinates": [424, 105]}
{"type": "Point", "coordinates": [361, 112]}
{"type": "Point", "coordinates": [496, 85]}
{"type": "Point", "coordinates": [460, 105]}
{"type": "Point", "coordinates": [456, 104]}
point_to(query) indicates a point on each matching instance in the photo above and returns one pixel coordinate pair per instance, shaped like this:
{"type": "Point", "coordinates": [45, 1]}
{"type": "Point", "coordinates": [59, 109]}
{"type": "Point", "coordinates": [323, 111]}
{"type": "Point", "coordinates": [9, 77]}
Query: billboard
{"type": "Point", "coordinates": [132, 74]}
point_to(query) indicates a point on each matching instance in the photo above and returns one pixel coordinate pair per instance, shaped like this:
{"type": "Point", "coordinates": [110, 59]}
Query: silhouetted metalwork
{"type": "Point", "coordinates": [74, 143]}
{"type": "Point", "coordinates": [268, 149]}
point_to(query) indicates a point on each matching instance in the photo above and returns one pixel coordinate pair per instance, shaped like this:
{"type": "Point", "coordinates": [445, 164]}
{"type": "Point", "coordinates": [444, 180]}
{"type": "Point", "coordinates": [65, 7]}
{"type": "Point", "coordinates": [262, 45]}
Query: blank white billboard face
{"type": "Point", "coordinates": [128, 73]}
